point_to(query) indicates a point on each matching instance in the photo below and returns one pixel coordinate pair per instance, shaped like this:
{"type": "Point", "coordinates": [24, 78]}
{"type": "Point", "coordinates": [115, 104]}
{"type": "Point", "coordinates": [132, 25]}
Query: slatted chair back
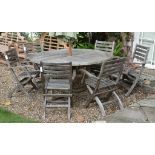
{"type": "Point", "coordinates": [50, 43]}
{"type": "Point", "coordinates": [113, 66]}
{"type": "Point", "coordinates": [21, 74]}
{"type": "Point", "coordinates": [11, 57]}
{"type": "Point", "coordinates": [12, 60]}
{"type": "Point", "coordinates": [57, 70]}
{"type": "Point", "coordinates": [3, 45]}
{"type": "Point", "coordinates": [105, 46]}
{"type": "Point", "coordinates": [132, 75]}
{"type": "Point", "coordinates": [140, 54]}
{"type": "Point", "coordinates": [32, 47]}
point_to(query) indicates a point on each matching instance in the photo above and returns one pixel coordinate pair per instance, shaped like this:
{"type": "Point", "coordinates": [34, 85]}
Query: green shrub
{"type": "Point", "coordinates": [118, 49]}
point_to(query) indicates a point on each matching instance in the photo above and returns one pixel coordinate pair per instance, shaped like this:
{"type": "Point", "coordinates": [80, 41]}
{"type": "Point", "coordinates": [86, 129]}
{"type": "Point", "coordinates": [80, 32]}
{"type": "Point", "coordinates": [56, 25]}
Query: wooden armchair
{"type": "Point", "coordinates": [22, 74]}
{"type": "Point", "coordinates": [103, 84]}
{"type": "Point", "coordinates": [104, 46]}
{"type": "Point", "coordinates": [57, 77]}
{"type": "Point", "coordinates": [132, 71]}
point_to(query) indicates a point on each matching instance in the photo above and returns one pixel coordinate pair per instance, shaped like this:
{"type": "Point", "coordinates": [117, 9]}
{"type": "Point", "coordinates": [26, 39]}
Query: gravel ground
{"type": "Point", "coordinates": [34, 108]}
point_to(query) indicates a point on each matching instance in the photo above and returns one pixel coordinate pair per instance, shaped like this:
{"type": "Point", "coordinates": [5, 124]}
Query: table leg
{"type": "Point", "coordinates": [74, 74]}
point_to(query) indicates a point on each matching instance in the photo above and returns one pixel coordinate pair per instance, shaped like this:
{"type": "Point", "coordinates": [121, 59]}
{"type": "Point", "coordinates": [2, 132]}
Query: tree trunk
{"type": "Point", "coordinates": [127, 39]}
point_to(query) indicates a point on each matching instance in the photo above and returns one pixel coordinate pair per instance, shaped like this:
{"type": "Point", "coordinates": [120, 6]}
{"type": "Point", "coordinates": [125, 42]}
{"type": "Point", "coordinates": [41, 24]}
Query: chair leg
{"type": "Point", "coordinates": [97, 101]}
{"type": "Point", "coordinates": [83, 78]}
{"type": "Point", "coordinates": [18, 87]}
{"type": "Point", "coordinates": [91, 97]}
{"type": "Point", "coordinates": [33, 85]}
{"type": "Point", "coordinates": [100, 104]}
{"type": "Point", "coordinates": [119, 100]}
{"type": "Point", "coordinates": [131, 88]}
{"type": "Point", "coordinates": [108, 96]}
{"type": "Point", "coordinates": [88, 102]}
{"type": "Point", "coordinates": [69, 110]}
{"type": "Point", "coordinates": [44, 115]}
{"type": "Point", "coordinates": [12, 91]}
{"type": "Point", "coordinates": [24, 91]}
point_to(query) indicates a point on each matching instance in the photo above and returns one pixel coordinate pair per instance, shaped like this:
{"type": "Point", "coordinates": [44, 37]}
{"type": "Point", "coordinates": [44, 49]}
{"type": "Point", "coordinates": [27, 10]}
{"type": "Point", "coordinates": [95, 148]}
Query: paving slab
{"type": "Point", "coordinates": [148, 102]}
{"type": "Point", "coordinates": [141, 112]}
{"type": "Point", "coordinates": [150, 113]}
{"type": "Point", "coordinates": [128, 115]}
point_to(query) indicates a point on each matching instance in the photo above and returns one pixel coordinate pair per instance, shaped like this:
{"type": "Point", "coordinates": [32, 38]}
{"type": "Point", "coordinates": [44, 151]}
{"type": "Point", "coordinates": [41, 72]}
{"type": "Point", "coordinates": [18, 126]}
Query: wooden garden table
{"type": "Point", "coordinates": [80, 57]}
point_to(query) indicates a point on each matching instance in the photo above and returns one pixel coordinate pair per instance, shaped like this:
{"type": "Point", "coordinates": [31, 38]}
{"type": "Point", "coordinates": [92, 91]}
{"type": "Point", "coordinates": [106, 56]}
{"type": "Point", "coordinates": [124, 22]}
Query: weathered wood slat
{"type": "Point", "coordinates": [103, 45]}
{"type": "Point", "coordinates": [141, 46]}
{"type": "Point", "coordinates": [105, 42]}
{"type": "Point", "coordinates": [110, 65]}
{"type": "Point", "coordinates": [104, 49]}
{"type": "Point", "coordinates": [57, 106]}
{"type": "Point", "coordinates": [112, 70]}
{"type": "Point", "coordinates": [139, 58]}
{"type": "Point", "coordinates": [58, 95]}
{"type": "Point", "coordinates": [140, 54]}
{"type": "Point", "coordinates": [141, 50]}
{"type": "Point", "coordinates": [57, 68]}
{"type": "Point", "coordinates": [65, 72]}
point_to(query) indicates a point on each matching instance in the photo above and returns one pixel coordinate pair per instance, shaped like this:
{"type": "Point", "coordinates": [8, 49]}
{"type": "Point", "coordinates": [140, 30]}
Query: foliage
{"type": "Point", "coordinates": [83, 41]}
{"type": "Point", "coordinates": [118, 48]}
{"type": "Point", "coordinates": [30, 36]}
{"type": "Point", "coordinates": [9, 117]}
{"type": "Point", "coordinates": [85, 45]}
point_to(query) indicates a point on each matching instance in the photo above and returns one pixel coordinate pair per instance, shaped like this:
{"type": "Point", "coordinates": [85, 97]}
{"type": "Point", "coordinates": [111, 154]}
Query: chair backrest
{"type": "Point", "coordinates": [11, 57]}
{"type": "Point", "coordinates": [140, 54]}
{"type": "Point", "coordinates": [112, 66]}
{"type": "Point", "coordinates": [56, 70]}
{"type": "Point", "coordinates": [50, 43]}
{"type": "Point", "coordinates": [32, 47]}
{"type": "Point", "coordinates": [105, 46]}
{"type": "Point", "coordinates": [12, 60]}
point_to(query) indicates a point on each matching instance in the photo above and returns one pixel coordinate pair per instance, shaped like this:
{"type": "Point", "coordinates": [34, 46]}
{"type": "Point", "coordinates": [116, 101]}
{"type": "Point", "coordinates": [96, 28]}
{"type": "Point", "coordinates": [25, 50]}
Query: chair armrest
{"type": "Point", "coordinates": [26, 67]}
{"type": "Point", "coordinates": [25, 62]}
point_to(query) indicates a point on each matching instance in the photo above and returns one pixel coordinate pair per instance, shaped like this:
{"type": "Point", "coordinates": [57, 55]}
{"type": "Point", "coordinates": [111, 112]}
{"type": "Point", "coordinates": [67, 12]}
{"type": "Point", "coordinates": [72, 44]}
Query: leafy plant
{"type": "Point", "coordinates": [118, 49]}
{"type": "Point", "coordinates": [83, 41]}
{"type": "Point", "coordinates": [30, 36]}
{"type": "Point", "coordinates": [85, 45]}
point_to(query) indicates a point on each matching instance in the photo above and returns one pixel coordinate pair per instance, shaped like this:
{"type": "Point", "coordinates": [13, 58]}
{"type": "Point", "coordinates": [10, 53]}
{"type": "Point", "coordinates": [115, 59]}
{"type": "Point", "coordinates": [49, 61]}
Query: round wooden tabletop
{"type": "Point", "coordinates": [80, 57]}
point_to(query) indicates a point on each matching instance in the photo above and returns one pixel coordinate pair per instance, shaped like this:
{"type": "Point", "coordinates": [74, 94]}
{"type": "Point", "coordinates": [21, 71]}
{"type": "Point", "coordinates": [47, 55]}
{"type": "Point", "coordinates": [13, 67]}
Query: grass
{"type": "Point", "coordinates": [9, 117]}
